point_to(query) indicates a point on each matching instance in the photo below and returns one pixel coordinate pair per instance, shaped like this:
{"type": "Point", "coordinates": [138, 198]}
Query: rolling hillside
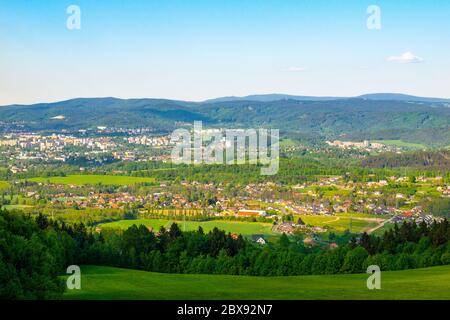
{"type": "Point", "coordinates": [372, 118]}
{"type": "Point", "coordinates": [373, 96]}
{"type": "Point", "coordinates": [114, 283]}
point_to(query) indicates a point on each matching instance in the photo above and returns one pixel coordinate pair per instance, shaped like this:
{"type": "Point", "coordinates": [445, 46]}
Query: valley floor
{"type": "Point", "coordinates": [115, 283]}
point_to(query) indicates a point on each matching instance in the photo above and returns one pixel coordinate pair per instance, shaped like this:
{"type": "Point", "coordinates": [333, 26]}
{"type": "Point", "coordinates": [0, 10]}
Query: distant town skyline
{"type": "Point", "coordinates": [200, 49]}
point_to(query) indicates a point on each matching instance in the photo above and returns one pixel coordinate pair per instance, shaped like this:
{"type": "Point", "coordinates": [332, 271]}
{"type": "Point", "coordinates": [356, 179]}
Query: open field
{"type": "Point", "coordinates": [357, 215]}
{"type": "Point", "coordinates": [327, 191]}
{"type": "Point", "coordinates": [16, 207]}
{"type": "Point", "coordinates": [340, 223]}
{"type": "Point", "coordinates": [400, 143]}
{"type": "Point", "coordinates": [383, 229]}
{"type": "Point", "coordinates": [244, 228]}
{"type": "Point", "coordinates": [114, 283]}
{"type": "Point", "coordinates": [93, 179]}
{"type": "Point", "coordinates": [4, 185]}
{"type": "Point", "coordinates": [288, 143]}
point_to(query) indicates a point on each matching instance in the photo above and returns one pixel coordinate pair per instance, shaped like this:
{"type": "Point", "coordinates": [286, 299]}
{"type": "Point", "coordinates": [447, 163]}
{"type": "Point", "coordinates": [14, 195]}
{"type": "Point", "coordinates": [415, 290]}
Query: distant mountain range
{"type": "Point", "coordinates": [310, 119]}
{"type": "Point", "coordinates": [273, 97]}
{"type": "Point", "coordinates": [372, 96]}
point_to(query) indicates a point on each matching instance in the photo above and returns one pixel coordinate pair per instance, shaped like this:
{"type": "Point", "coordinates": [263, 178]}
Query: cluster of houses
{"type": "Point", "coordinates": [124, 155]}
{"type": "Point", "coordinates": [379, 209]}
{"type": "Point", "coordinates": [290, 228]}
{"type": "Point", "coordinates": [98, 200]}
{"type": "Point", "coordinates": [30, 146]}
{"type": "Point", "coordinates": [416, 214]}
{"type": "Point", "coordinates": [445, 190]}
{"type": "Point", "coordinates": [311, 209]}
{"type": "Point", "coordinates": [59, 147]}
{"type": "Point", "coordinates": [152, 141]}
{"type": "Point", "coordinates": [364, 145]}
{"type": "Point", "coordinates": [55, 142]}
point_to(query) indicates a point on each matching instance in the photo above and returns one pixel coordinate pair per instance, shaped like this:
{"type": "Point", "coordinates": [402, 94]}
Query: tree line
{"type": "Point", "coordinates": [35, 251]}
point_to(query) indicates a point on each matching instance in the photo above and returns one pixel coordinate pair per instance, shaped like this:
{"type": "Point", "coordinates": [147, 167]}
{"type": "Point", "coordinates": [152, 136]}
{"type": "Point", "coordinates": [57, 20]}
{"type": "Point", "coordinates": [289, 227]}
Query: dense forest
{"type": "Point", "coordinates": [430, 160]}
{"type": "Point", "coordinates": [34, 252]}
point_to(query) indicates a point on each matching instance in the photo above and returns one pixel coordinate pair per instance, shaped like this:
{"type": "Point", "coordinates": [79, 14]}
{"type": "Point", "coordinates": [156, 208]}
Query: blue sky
{"type": "Point", "coordinates": [201, 49]}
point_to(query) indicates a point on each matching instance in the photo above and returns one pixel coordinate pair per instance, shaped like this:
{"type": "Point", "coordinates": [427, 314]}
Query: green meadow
{"type": "Point", "coordinates": [113, 283]}
{"type": "Point", "coordinates": [93, 179]}
{"type": "Point", "coordinates": [327, 191]}
{"type": "Point", "coordinates": [244, 228]}
{"type": "Point", "coordinates": [357, 215]}
{"type": "Point", "coordinates": [383, 229]}
{"type": "Point", "coordinates": [4, 185]}
{"type": "Point", "coordinates": [340, 223]}
{"type": "Point", "coordinates": [288, 143]}
{"type": "Point", "coordinates": [401, 144]}
{"type": "Point", "coordinates": [16, 207]}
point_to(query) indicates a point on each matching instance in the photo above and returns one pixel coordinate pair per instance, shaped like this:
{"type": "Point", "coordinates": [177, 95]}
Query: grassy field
{"type": "Point", "coordinates": [93, 179]}
{"type": "Point", "coordinates": [114, 283]}
{"type": "Point", "coordinates": [357, 215]}
{"type": "Point", "coordinates": [328, 192]}
{"type": "Point", "coordinates": [288, 143]}
{"type": "Point", "coordinates": [244, 228]}
{"type": "Point", "coordinates": [4, 185]}
{"type": "Point", "coordinates": [401, 144]}
{"type": "Point", "coordinates": [16, 206]}
{"type": "Point", "coordinates": [340, 223]}
{"type": "Point", "coordinates": [383, 229]}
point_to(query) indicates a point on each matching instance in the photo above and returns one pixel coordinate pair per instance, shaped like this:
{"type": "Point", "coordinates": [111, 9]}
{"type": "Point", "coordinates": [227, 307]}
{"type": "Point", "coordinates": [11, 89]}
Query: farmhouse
{"type": "Point", "coordinates": [258, 238]}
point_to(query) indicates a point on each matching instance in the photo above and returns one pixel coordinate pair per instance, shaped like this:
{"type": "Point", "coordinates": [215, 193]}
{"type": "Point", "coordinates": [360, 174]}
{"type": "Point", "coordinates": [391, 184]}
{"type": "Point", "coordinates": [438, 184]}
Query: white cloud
{"type": "Point", "coordinates": [407, 57]}
{"type": "Point", "coordinates": [297, 69]}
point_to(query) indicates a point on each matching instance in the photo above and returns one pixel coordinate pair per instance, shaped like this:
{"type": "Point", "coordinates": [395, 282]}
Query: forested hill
{"type": "Point", "coordinates": [372, 96]}
{"type": "Point", "coordinates": [438, 160]}
{"type": "Point", "coordinates": [422, 122]}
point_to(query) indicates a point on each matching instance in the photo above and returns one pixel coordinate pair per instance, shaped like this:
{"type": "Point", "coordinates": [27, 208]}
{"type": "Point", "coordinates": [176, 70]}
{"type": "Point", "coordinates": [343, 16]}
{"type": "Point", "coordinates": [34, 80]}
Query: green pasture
{"type": "Point", "coordinates": [16, 207]}
{"type": "Point", "coordinates": [4, 185]}
{"type": "Point", "coordinates": [112, 283]}
{"type": "Point", "coordinates": [244, 228]}
{"type": "Point", "coordinates": [401, 144]}
{"type": "Point", "coordinates": [339, 223]}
